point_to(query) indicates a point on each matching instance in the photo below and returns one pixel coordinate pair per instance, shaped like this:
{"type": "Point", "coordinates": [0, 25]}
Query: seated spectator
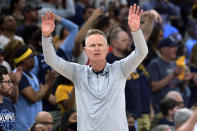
{"type": "Point", "coordinates": [170, 95]}
{"type": "Point", "coordinates": [65, 94]}
{"type": "Point", "coordinates": [181, 116]}
{"type": "Point", "coordinates": [177, 97]}
{"type": "Point", "coordinates": [69, 121]}
{"type": "Point", "coordinates": [43, 122]}
{"type": "Point", "coordinates": [8, 96]}
{"type": "Point", "coordinates": [162, 128]}
{"type": "Point", "coordinates": [131, 118]}
{"type": "Point", "coordinates": [190, 124]}
{"type": "Point", "coordinates": [168, 108]}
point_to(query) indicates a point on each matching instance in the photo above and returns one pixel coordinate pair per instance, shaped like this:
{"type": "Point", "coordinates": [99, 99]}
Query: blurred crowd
{"type": "Point", "coordinates": [159, 94]}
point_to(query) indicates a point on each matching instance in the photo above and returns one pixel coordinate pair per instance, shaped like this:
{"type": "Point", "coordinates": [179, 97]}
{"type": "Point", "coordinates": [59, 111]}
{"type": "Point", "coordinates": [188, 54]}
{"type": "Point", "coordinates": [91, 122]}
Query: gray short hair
{"type": "Point", "coordinates": [181, 116]}
{"type": "Point", "coordinates": [161, 128]}
{"type": "Point", "coordinates": [172, 94]}
{"type": "Point", "coordinates": [93, 32]}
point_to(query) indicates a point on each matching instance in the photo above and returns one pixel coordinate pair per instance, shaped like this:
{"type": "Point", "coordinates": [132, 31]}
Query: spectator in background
{"type": "Point", "coordinates": [172, 9]}
{"type": "Point", "coordinates": [79, 9]}
{"type": "Point", "coordinates": [8, 97]}
{"type": "Point", "coordinates": [26, 30]}
{"type": "Point", "coordinates": [106, 3]}
{"type": "Point", "coordinates": [87, 12]}
{"type": "Point", "coordinates": [192, 40]}
{"type": "Point", "coordinates": [168, 108]}
{"type": "Point", "coordinates": [121, 48]}
{"type": "Point", "coordinates": [62, 8]}
{"type": "Point", "coordinates": [153, 42]}
{"type": "Point", "coordinates": [170, 95]}
{"type": "Point", "coordinates": [189, 125]}
{"type": "Point", "coordinates": [162, 128]}
{"type": "Point", "coordinates": [164, 73]}
{"type": "Point", "coordinates": [31, 91]}
{"type": "Point", "coordinates": [131, 121]}
{"type": "Point", "coordinates": [57, 7]}
{"type": "Point", "coordinates": [65, 94]}
{"type": "Point", "coordinates": [17, 10]}
{"type": "Point", "coordinates": [177, 97]}
{"type": "Point", "coordinates": [10, 48]}
{"type": "Point", "coordinates": [181, 116]}
{"type": "Point", "coordinates": [69, 121]}
{"type": "Point", "coordinates": [43, 122]}
{"type": "Point", "coordinates": [8, 26]}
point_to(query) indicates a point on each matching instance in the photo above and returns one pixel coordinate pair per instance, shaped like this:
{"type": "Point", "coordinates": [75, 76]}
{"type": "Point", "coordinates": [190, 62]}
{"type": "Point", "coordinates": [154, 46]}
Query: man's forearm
{"type": "Point", "coordinates": [131, 62]}
{"type": "Point", "coordinates": [158, 85]}
{"type": "Point", "coordinates": [63, 67]}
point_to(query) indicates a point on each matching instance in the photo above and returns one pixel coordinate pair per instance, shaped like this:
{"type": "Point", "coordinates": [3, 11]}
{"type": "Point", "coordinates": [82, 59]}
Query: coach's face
{"type": "Point", "coordinates": [96, 47]}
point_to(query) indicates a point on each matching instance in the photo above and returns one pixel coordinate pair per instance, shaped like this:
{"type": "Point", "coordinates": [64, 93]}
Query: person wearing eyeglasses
{"type": "Point", "coordinates": [43, 122]}
{"type": "Point", "coordinates": [8, 96]}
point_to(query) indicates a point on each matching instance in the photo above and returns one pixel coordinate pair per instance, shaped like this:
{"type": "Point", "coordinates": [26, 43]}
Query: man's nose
{"type": "Point", "coordinates": [97, 47]}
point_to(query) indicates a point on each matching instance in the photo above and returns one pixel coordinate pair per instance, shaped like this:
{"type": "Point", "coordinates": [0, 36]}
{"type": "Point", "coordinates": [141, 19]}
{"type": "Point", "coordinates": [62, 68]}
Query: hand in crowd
{"type": "Point", "coordinates": [134, 17]}
{"type": "Point", "coordinates": [52, 99]}
{"type": "Point", "coordinates": [97, 12]}
{"type": "Point", "coordinates": [48, 24]}
{"type": "Point", "coordinates": [177, 71]}
{"type": "Point", "coordinates": [50, 77]}
{"type": "Point", "coordinates": [40, 127]}
{"type": "Point", "coordinates": [16, 76]}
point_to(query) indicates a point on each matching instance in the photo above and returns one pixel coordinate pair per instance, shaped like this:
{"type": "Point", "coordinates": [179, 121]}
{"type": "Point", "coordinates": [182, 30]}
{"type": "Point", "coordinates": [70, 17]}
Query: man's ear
{"type": "Point", "coordinates": [85, 49]}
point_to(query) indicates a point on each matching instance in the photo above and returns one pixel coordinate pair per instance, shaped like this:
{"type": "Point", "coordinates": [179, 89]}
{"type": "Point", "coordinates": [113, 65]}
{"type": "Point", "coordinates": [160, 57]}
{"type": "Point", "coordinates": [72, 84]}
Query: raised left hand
{"type": "Point", "coordinates": [134, 17]}
{"type": "Point", "coordinates": [16, 76]}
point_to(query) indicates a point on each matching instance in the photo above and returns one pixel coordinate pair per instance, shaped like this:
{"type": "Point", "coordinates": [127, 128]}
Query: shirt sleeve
{"type": "Point", "coordinates": [68, 43]}
{"type": "Point", "coordinates": [65, 68]}
{"type": "Point", "coordinates": [131, 62]}
{"type": "Point", "coordinates": [23, 83]}
{"type": "Point", "coordinates": [61, 94]}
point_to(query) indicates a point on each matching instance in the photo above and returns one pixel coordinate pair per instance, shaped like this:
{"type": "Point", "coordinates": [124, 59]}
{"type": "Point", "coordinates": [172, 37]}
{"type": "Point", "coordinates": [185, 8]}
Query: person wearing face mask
{"type": "Point", "coordinates": [69, 121]}
{"type": "Point", "coordinates": [131, 121]}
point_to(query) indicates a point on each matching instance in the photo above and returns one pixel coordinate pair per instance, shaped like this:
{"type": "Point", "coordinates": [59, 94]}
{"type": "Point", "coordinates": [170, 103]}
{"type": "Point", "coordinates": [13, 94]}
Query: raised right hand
{"type": "Point", "coordinates": [48, 24]}
{"type": "Point", "coordinates": [50, 77]}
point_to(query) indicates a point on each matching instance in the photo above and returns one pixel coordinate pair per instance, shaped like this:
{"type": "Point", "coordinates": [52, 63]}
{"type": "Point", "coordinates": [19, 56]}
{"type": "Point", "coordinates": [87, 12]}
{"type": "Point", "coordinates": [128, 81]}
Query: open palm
{"type": "Point", "coordinates": [134, 17]}
{"type": "Point", "coordinates": [48, 24]}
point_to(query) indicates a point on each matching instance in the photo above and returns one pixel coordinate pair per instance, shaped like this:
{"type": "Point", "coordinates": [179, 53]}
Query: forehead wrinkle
{"type": "Point", "coordinates": [96, 37]}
